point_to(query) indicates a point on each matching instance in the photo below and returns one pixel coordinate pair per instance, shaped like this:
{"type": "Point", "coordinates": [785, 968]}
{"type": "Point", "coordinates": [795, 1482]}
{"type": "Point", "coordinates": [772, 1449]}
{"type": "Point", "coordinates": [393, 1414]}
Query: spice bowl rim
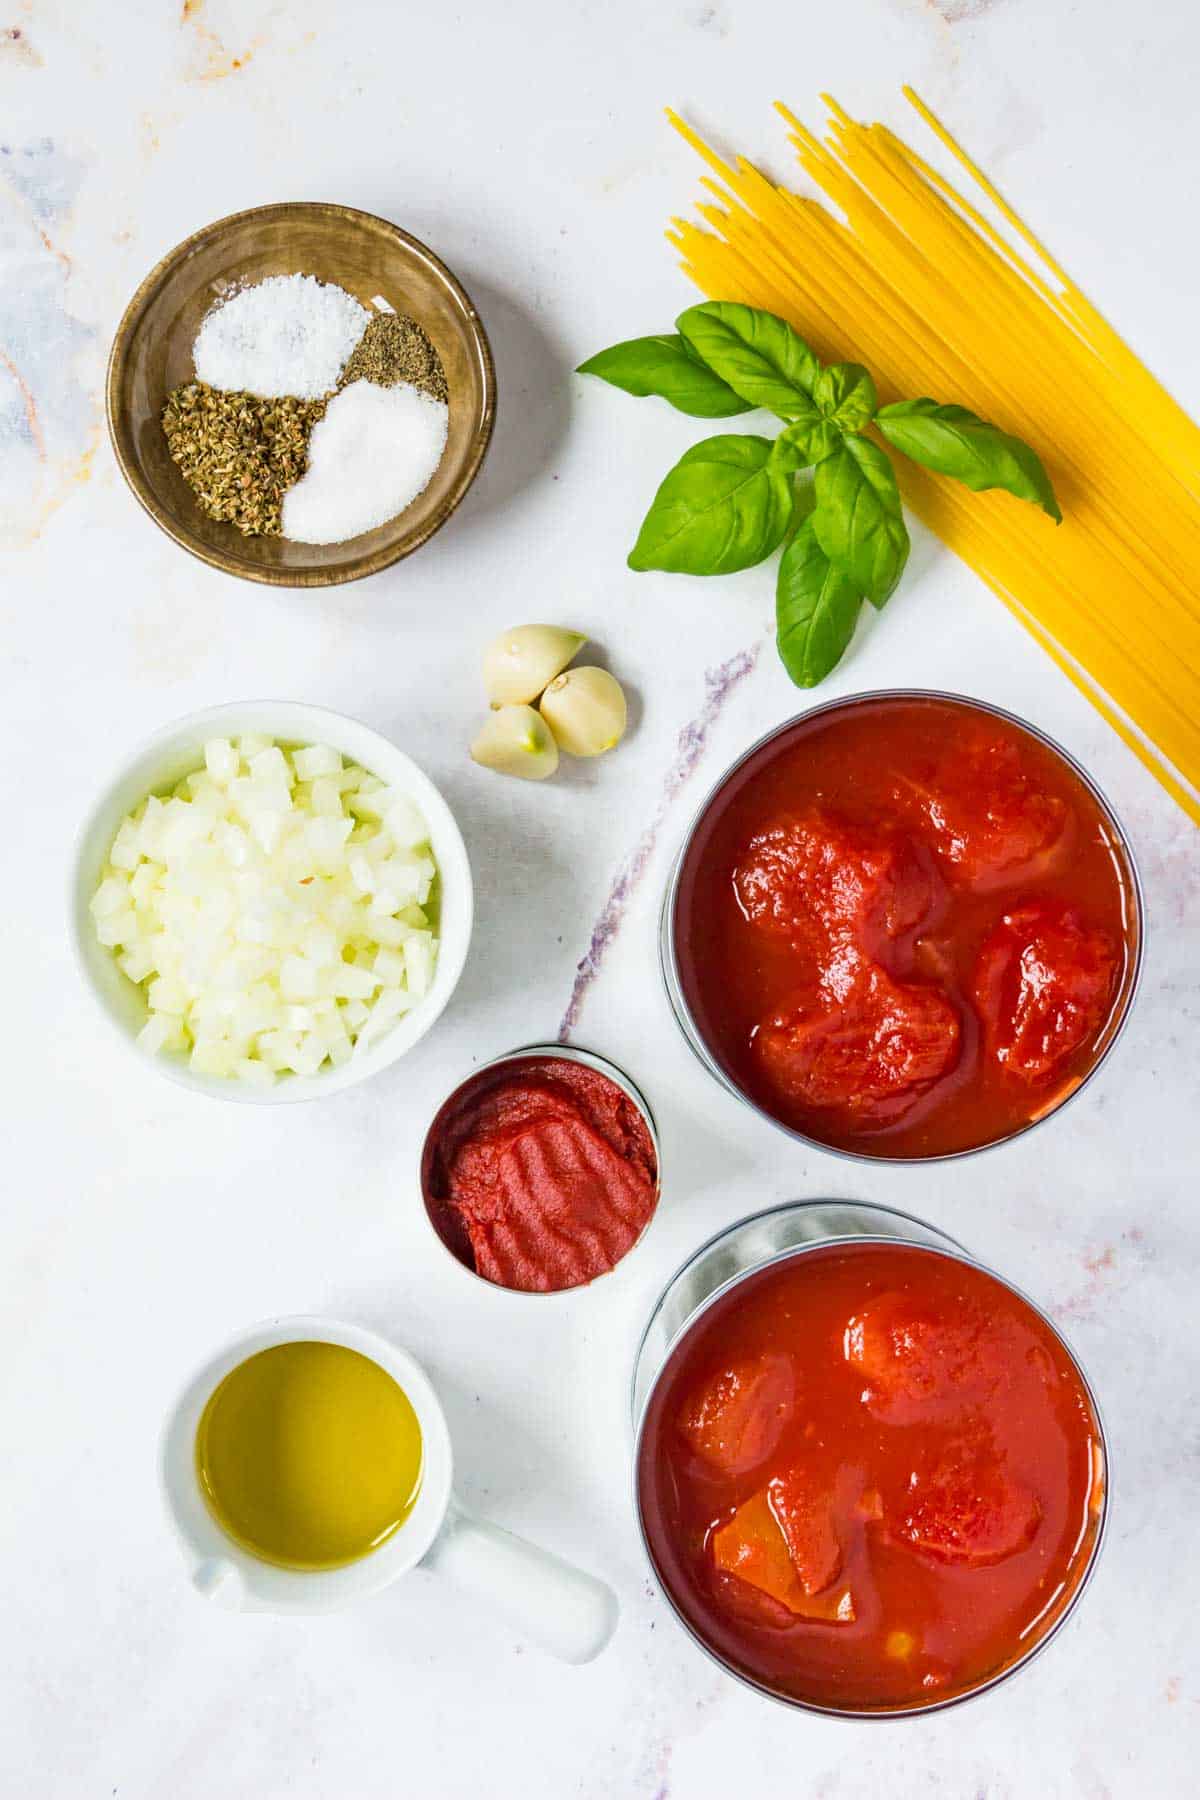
{"type": "Point", "coordinates": [352, 566]}
{"type": "Point", "coordinates": [946, 1247]}
{"type": "Point", "coordinates": [590, 1059]}
{"type": "Point", "coordinates": [690, 1030]}
{"type": "Point", "coordinates": [288, 721]}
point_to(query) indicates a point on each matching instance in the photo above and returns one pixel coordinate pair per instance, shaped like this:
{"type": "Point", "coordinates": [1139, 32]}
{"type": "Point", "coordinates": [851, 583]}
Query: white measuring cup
{"type": "Point", "coordinates": [569, 1613]}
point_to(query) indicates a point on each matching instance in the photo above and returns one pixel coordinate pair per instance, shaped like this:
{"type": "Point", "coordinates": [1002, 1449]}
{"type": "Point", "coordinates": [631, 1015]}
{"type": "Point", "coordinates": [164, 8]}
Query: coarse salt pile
{"type": "Point", "coordinates": [375, 450]}
{"type": "Point", "coordinates": [272, 909]}
{"type": "Point", "coordinates": [289, 334]}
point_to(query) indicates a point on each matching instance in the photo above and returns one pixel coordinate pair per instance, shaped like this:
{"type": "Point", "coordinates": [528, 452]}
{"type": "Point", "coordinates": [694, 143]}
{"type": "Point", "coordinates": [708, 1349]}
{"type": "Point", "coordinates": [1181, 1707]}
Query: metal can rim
{"type": "Point", "coordinates": [591, 1059]}
{"type": "Point", "coordinates": [953, 1251]}
{"type": "Point", "coordinates": [690, 1030]}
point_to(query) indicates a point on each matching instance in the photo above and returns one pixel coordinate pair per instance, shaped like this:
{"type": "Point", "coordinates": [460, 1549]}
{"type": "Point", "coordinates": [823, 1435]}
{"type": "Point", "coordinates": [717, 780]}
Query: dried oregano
{"type": "Point", "coordinates": [238, 452]}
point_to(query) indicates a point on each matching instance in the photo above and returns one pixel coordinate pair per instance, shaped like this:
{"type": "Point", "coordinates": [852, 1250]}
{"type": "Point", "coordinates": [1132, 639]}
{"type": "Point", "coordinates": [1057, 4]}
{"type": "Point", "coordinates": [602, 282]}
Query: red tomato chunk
{"type": "Point", "coordinates": [969, 1511]}
{"type": "Point", "coordinates": [819, 875]}
{"type": "Point", "coordinates": [803, 1510]}
{"type": "Point", "coordinates": [1043, 984]}
{"type": "Point", "coordinates": [861, 1040]}
{"type": "Point", "coordinates": [737, 1418]}
{"type": "Point", "coordinates": [988, 819]}
{"type": "Point", "coordinates": [922, 1360]}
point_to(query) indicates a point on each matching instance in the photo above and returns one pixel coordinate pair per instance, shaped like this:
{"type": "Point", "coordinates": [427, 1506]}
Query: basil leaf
{"type": "Point", "coordinates": [953, 441]}
{"type": "Point", "coordinates": [845, 393]}
{"type": "Point", "coordinates": [664, 365]}
{"type": "Point", "coordinates": [724, 506]}
{"type": "Point", "coordinates": [816, 606]}
{"type": "Point", "coordinates": [760, 356]}
{"type": "Point", "coordinates": [807, 440]}
{"type": "Point", "coordinates": [859, 521]}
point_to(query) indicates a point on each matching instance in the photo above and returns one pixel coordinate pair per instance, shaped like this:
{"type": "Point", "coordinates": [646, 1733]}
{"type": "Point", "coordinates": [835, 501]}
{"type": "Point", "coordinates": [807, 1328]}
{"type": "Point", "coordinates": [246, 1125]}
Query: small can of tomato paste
{"type": "Point", "coordinates": [870, 1475]}
{"type": "Point", "coordinates": [541, 1172]}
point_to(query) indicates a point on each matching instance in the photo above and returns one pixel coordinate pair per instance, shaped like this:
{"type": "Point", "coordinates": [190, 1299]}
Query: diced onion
{"type": "Point", "coordinates": [273, 910]}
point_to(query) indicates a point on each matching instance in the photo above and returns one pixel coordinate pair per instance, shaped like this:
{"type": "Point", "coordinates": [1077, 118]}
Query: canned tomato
{"type": "Point", "coordinates": [869, 1473]}
{"type": "Point", "coordinates": [903, 926]}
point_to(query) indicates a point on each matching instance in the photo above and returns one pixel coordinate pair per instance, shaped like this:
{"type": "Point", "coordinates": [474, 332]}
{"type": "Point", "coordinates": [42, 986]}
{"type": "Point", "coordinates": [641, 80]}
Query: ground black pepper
{"type": "Point", "coordinates": [392, 349]}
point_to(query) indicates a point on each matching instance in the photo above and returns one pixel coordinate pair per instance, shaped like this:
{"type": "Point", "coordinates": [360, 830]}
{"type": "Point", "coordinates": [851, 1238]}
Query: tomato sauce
{"type": "Point", "coordinates": [906, 927]}
{"type": "Point", "coordinates": [870, 1477]}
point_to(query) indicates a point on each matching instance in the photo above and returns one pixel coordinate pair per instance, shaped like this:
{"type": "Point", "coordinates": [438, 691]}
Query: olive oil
{"type": "Point", "coordinates": [309, 1455]}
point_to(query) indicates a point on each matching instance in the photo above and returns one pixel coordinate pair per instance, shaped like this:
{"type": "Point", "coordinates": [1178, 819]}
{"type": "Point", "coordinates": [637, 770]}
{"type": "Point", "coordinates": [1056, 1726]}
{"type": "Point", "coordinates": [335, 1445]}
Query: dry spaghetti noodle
{"type": "Point", "coordinates": [915, 281]}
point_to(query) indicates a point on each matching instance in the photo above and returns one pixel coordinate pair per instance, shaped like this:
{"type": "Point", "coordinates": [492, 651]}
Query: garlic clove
{"type": "Point", "coordinates": [525, 659]}
{"type": "Point", "coordinates": [585, 709]}
{"type": "Point", "coordinates": [516, 740]}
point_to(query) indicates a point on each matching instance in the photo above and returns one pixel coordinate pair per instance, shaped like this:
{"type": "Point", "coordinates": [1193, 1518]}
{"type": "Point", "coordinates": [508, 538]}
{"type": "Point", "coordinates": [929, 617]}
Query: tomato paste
{"type": "Point", "coordinates": [540, 1173]}
{"type": "Point", "coordinates": [905, 926]}
{"type": "Point", "coordinates": [871, 1477]}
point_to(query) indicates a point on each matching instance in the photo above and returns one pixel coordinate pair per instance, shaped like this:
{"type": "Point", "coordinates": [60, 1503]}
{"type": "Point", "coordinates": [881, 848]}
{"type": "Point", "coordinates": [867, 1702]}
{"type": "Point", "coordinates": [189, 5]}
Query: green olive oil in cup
{"type": "Point", "coordinates": [309, 1455]}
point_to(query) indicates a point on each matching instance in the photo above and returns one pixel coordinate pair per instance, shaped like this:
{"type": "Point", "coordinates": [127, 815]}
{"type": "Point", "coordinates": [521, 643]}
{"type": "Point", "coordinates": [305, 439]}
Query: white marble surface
{"type": "Point", "coordinates": [141, 1223]}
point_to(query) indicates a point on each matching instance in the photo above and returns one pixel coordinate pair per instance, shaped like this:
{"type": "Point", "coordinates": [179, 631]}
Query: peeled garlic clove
{"type": "Point", "coordinates": [585, 709]}
{"type": "Point", "coordinates": [516, 740]}
{"type": "Point", "coordinates": [524, 659]}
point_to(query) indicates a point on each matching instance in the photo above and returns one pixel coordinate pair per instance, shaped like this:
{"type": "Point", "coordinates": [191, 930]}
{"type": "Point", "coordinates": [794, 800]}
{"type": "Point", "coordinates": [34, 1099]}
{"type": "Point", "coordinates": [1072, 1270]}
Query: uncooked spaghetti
{"type": "Point", "coordinates": [915, 281]}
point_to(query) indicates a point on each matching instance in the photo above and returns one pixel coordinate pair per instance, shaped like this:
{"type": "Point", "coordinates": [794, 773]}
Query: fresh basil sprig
{"type": "Point", "coordinates": [859, 521]}
{"type": "Point", "coordinates": [845, 394]}
{"type": "Point", "coordinates": [816, 607]}
{"type": "Point", "coordinates": [665, 365]}
{"type": "Point", "coordinates": [724, 506]}
{"type": "Point", "coordinates": [760, 356]}
{"type": "Point", "coordinates": [807, 440]}
{"type": "Point", "coordinates": [955, 442]}
{"type": "Point", "coordinates": [731, 500]}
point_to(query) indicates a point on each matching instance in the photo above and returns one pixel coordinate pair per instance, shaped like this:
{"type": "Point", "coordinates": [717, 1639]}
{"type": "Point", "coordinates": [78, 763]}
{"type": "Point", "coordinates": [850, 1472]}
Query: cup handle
{"type": "Point", "coordinates": [569, 1613]}
{"type": "Point", "coordinates": [217, 1580]}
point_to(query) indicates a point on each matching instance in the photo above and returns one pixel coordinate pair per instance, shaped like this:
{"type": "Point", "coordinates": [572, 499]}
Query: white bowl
{"type": "Point", "coordinates": [175, 751]}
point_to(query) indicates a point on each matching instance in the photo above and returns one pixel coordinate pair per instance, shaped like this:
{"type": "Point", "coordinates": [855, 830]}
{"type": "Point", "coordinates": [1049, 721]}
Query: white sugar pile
{"type": "Point", "coordinates": [374, 451]}
{"type": "Point", "coordinates": [289, 334]}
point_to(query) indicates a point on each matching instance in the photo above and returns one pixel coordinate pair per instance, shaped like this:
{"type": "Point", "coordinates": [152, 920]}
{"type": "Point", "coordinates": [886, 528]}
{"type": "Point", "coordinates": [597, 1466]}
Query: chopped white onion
{"type": "Point", "coordinates": [273, 910]}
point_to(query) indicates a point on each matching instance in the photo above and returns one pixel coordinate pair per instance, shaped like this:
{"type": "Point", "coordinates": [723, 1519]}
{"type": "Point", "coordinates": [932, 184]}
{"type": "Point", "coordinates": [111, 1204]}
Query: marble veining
{"type": "Point", "coordinates": [143, 1225]}
{"type": "Point", "coordinates": [48, 418]}
{"type": "Point", "coordinates": [719, 683]}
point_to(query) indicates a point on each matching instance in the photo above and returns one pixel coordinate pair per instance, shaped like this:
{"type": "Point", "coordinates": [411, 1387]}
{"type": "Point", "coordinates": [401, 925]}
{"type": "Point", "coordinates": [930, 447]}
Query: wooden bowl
{"type": "Point", "coordinates": [152, 353]}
